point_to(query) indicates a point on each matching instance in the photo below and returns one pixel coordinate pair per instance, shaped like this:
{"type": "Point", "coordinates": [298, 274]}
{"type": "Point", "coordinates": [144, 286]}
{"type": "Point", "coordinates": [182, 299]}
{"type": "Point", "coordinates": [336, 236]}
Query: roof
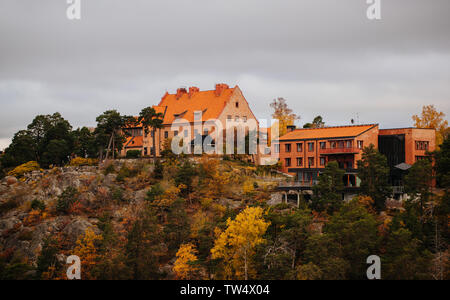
{"type": "Point", "coordinates": [184, 103]}
{"type": "Point", "coordinates": [134, 142]}
{"type": "Point", "coordinates": [327, 132]}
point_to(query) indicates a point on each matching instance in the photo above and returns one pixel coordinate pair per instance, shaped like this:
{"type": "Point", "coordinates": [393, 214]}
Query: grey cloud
{"type": "Point", "coordinates": [324, 56]}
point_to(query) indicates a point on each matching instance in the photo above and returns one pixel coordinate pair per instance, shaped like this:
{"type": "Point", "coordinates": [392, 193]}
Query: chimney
{"type": "Point", "coordinates": [220, 87]}
{"type": "Point", "coordinates": [192, 90]}
{"type": "Point", "coordinates": [180, 92]}
{"type": "Point", "coordinates": [290, 128]}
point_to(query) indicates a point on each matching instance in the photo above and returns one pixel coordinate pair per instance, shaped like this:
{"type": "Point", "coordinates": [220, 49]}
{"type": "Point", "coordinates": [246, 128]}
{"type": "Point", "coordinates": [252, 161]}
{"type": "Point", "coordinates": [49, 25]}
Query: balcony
{"type": "Point", "coordinates": [333, 151]}
{"type": "Point", "coordinates": [297, 184]}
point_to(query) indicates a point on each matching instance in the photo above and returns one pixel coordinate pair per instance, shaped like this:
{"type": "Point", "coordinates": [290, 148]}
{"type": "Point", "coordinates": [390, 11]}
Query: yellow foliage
{"type": "Point", "coordinates": [87, 251]}
{"type": "Point", "coordinates": [80, 161]}
{"type": "Point", "coordinates": [184, 267]}
{"type": "Point", "coordinates": [24, 168]}
{"type": "Point", "coordinates": [236, 245]}
{"type": "Point", "coordinates": [248, 188]}
{"type": "Point", "coordinates": [431, 118]}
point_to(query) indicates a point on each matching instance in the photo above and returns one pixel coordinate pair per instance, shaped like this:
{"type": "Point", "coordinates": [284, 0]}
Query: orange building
{"type": "Point", "coordinates": [225, 104]}
{"type": "Point", "coordinates": [305, 152]}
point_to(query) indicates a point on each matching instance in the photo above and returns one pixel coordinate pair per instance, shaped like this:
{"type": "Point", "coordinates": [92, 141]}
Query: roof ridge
{"type": "Point", "coordinates": [338, 126]}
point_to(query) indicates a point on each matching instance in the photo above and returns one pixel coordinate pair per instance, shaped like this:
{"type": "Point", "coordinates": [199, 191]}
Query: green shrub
{"type": "Point", "coordinates": [158, 172]}
{"type": "Point", "coordinates": [66, 199]}
{"type": "Point", "coordinates": [36, 204]}
{"type": "Point", "coordinates": [133, 154]}
{"type": "Point", "coordinates": [109, 169]}
{"type": "Point", "coordinates": [126, 172]}
{"type": "Point", "coordinates": [155, 191]}
{"type": "Point", "coordinates": [117, 195]}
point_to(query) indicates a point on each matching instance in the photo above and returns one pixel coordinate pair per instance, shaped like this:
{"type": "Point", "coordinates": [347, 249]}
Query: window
{"type": "Point", "coordinates": [205, 131]}
{"type": "Point", "coordinates": [299, 147]}
{"type": "Point", "coordinates": [333, 145]}
{"type": "Point", "coordinates": [421, 145]}
{"type": "Point", "coordinates": [360, 144]}
{"type": "Point", "coordinates": [348, 144]}
{"type": "Point", "coordinates": [287, 147]}
{"type": "Point", "coordinates": [299, 161]}
{"type": "Point", "coordinates": [323, 145]}
{"type": "Point", "coordinates": [236, 119]}
{"type": "Point", "coordinates": [322, 161]}
{"type": "Point", "coordinates": [287, 162]}
{"type": "Point", "coordinates": [237, 104]}
{"type": "Point", "coordinates": [176, 132]}
{"type": "Point", "coordinates": [310, 161]}
{"type": "Point", "coordinates": [245, 119]}
{"type": "Point", "coordinates": [166, 134]}
{"type": "Point", "coordinates": [186, 133]}
{"type": "Point", "coordinates": [341, 144]}
{"type": "Point", "coordinates": [421, 157]}
{"type": "Point", "coordinates": [229, 117]}
{"type": "Point", "coordinates": [277, 148]}
{"type": "Point", "coordinates": [310, 147]}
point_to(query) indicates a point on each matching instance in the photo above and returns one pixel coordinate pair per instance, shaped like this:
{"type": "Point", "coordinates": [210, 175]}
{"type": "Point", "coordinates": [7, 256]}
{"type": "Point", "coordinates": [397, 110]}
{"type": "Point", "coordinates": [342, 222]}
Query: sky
{"type": "Point", "coordinates": [325, 57]}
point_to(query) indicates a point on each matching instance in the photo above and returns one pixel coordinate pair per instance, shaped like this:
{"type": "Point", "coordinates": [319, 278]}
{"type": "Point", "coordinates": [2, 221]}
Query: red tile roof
{"type": "Point", "coordinates": [327, 132]}
{"type": "Point", "coordinates": [184, 103]}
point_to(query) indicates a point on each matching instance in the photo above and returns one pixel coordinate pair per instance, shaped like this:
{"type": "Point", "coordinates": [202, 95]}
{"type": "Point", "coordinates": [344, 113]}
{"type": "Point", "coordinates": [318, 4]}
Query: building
{"type": "Point", "coordinates": [182, 109]}
{"type": "Point", "coordinates": [305, 152]}
{"type": "Point", "coordinates": [402, 148]}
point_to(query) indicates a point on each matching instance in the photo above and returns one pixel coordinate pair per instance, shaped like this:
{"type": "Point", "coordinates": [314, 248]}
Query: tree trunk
{"type": "Point", "coordinates": [154, 145]}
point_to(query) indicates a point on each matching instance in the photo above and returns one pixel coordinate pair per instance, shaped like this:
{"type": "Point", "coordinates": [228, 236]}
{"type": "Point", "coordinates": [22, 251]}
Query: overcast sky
{"type": "Point", "coordinates": [324, 56]}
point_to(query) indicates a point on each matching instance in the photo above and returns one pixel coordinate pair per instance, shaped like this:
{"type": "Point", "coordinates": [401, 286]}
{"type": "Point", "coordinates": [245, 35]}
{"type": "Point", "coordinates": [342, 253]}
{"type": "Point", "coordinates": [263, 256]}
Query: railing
{"type": "Point", "coordinates": [352, 150]}
{"type": "Point", "coordinates": [297, 184]}
{"type": "Point", "coordinates": [398, 190]}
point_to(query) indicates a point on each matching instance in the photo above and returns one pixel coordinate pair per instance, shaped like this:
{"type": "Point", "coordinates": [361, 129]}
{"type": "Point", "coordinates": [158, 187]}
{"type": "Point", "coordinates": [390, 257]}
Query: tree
{"type": "Point", "coordinates": [431, 118]}
{"type": "Point", "coordinates": [110, 131]}
{"type": "Point", "coordinates": [404, 258]}
{"type": "Point", "coordinates": [185, 266]}
{"type": "Point", "coordinates": [283, 114]}
{"type": "Point", "coordinates": [236, 245]}
{"type": "Point", "coordinates": [373, 171]}
{"type": "Point", "coordinates": [84, 143]}
{"type": "Point", "coordinates": [87, 250]}
{"type": "Point", "coordinates": [347, 240]}
{"type": "Point", "coordinates": [328, 192]}
{"type": "Point", "coordinates": [149, 118]}
{"type": "Point", "coordinates": [23, 149]}
{"type": "Point", "coordinates": [419, 182]}
{"type": "Point", "coordinates": [143, 248]}
{"type": "Point", "coordinates": [442, 166]}
{"type": "Point", "coordinates": [316, 123]}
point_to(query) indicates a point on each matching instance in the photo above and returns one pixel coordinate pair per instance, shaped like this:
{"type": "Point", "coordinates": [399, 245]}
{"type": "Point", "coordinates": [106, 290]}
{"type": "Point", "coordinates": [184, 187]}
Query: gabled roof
{"type": "Point", "coordinates": [134, 142]}
{"type": "Point", "coordinates": [327, 132]}
{"type": "Point", "coordinates": [184, 103]}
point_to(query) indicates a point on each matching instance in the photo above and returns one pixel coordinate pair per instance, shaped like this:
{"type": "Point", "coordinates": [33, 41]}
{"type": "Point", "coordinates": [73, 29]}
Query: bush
{"type": "Point", "coordinates": [36, 204]}
{"type": "Point", "coordinates": [126, 172]}
{"type": "Point", "coordinates": [133, 154]}
{"type": "Point", "coordinates": [80, 161]}
{"type": "Point", "coordinates": [109, 169]}
{"type": "Point", "coordinates": [117, 195]}
{"type": "Point", "coordinates": [154, 192]}
{"type": "Point", "coordinates": [24, 168]}
{"type": "Point", "coordinates": [158, 172]}
{"type": "Point", "coordinates": [66, 199]}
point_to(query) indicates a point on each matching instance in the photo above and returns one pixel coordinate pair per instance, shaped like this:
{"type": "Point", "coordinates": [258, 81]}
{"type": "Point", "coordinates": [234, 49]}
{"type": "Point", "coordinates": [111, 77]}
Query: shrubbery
{"type": "Point", "coordinates": [66, 199]}
{"type": "Point", "coordinates": [133, 154]}
{"type": "Point", "coordinates": [24, 168]}
{"type": "Point", "coordinates": [80, 161]}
